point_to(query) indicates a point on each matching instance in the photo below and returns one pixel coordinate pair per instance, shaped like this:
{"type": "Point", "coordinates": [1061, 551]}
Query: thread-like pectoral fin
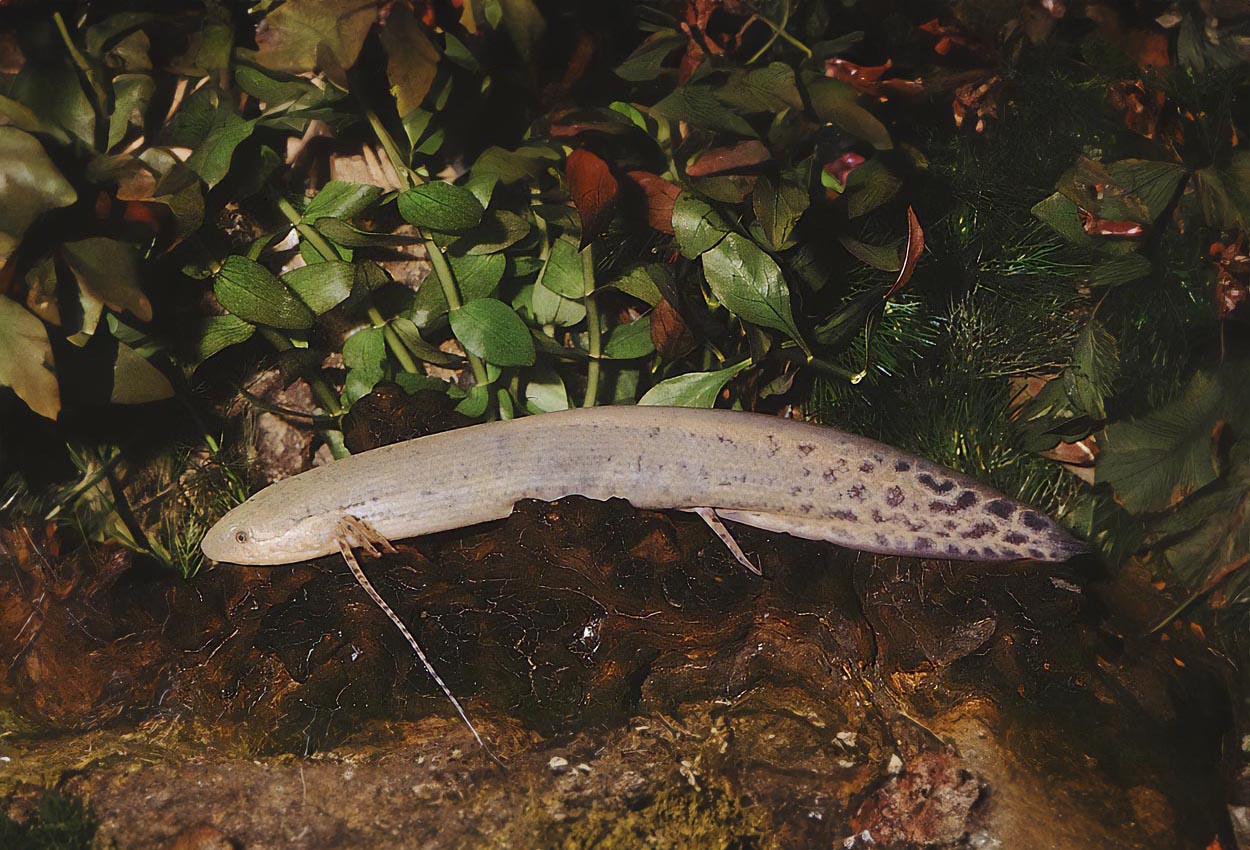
{"type": "Point", "coordinates": [351, 532]}
{"type": "Point", "coordinates": [718, 528]}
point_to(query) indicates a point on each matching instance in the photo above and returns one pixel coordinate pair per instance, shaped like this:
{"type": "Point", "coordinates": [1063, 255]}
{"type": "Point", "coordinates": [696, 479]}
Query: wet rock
{"type": "Point", "coordinates": [931, 803]}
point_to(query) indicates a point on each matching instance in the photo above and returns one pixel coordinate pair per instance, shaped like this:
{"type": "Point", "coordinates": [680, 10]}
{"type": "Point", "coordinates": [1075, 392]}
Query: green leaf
{"type": "Point", "coordinates": [881, 257]}
{"type": "Point", "coordinates": [308, 35]}
{"type": "Point", "coordinates": [768, 89]}
{"type": "Point", "coordinates": [107, 276]}
{"type": "Point", "coordinates": [289, 92]}
{"type": "Point", "coordinates": [499, 230]}
{"type": "Point", "coordinates": [441, 206]}
{"type": "Point", "coordinates": [475, 401]}
{"type": "Point", "coordinates": [551, 308]}
{"type": "Point", "coordinates": [212, 157]}
{"type": "Point", "coordinates": [219, 333]}
{"type": "Point", "coordinates": [1210, 530]}
{"type": "Point", "coordinates": [647, 60]}
{"type": "Point", "coordinates": [697, 105]}
{"type": "Point", "coordinates": [1062, 216]}
{"type": "Point", "coordinates": [837, 103]}
{"type": "Point", "coordinates": [1153, 183]}
{"type": "Point", "coordinates": [407, 331]}
{"type": "Point", "coordinates": [696, 225]}
{"type": "Point", "coordinates": [490, 329]}
{"type": "Point", "coordinates": [411, 58]}
{"type": "Point", "coordinates": [525, 25]}
{"type": "Point", "coordinates": [527, 162]}
{"type": "Point", "coordinates": [477, 275]}
{"type": "Point", "coordinates": [26, 363]}
{"type": "Point", "coordinates": [341, 233]}
{"type": "Point", "coordinates": [135, 380]}
{"type": "Point", "coordinates": [131, 95]}
{"type": "Point", "coordinates": [340, 199]}
{"type": "Point", "coordinates": [1119, 270]}
{"type": "Point", "coordinates": [364, 355]}
{"type": "Point", "coordinates": [250, 291]}
{"type": "Point", "coordinates": [626, 342]}
{"type": "Point", "coordinates": [322, 286]}
{"type": "Point", "coordinates": [778, 210]}
{"type": "Point", "coordinates": [32, 186]}
{"type": "Point", "coordinates": [640, 282]}
{"type": "Point", "coordinates": [1155, 461]}
{"type": "Point", "coordinates": [749, 284]}
{"type": "Point", "coordinates": [694, 389]}
{"type": "Point", "coordinates": [563, 273]}
{"type": "Point", "coordinates": [869, 186]}
{"type": "Point", "coordinates": [545, 391]}
{"type": "Point", "coordinates": [1095, 368]}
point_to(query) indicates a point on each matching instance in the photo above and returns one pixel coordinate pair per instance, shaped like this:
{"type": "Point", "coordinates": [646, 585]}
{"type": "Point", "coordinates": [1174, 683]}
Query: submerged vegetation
{"type": "Point", "coordinates": [1010, 236]}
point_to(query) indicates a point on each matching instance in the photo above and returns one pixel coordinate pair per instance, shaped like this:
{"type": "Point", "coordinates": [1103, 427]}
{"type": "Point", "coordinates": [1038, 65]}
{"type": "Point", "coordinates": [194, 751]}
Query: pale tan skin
{"type": "Point", "coordinates": [807, 480]}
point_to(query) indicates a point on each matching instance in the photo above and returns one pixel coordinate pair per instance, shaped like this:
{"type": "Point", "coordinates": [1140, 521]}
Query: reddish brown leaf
{"type": "Point", "coordinates": [669, 332]}
{"type": "Point", "coordinates": [593, 189]}
{"type": "Point", "coordinates": [840, 169]}
{"type": "Point", "coordinates": [911, 252]}
{"type": "Point", "coordinates": [1095, 226]}
{"type": "Point", "coordinates": [732, 158]}
{"type": "Point", "coordinates": [1142, 109]}
{"type": "Point", "coordinates": [867, 78]}
{"type": "Point", "coordinates": [661, 195]}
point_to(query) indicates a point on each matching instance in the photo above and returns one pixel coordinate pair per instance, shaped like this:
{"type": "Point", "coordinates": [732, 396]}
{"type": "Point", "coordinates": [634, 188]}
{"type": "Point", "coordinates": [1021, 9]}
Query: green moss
{"type": "Point", "coordinates": [60, 822]}
{"type": "Point", "coordinates": [672, 820]}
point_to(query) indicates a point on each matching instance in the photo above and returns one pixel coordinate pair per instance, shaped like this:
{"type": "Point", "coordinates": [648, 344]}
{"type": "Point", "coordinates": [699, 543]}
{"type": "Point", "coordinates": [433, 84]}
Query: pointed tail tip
{"type": "Point", "coordinates": [1066, 546]}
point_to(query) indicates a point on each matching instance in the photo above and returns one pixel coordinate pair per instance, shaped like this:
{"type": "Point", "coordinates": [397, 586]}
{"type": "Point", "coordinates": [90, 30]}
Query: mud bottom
{"type": "Point", "coordinates": [641, 687]}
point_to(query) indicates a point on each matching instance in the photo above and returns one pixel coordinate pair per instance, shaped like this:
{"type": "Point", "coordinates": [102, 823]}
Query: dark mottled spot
{"type": "Point", "coordinates": [806, 449]}
{"type": "Point", "coordinates": [1015, 538]}
{"type": "Point", "coordinates": [848, 516]}
{"type": "Point", "coordinates": [805, 508]}
{"type": "Point", "coordinates": [831, 476]}
{"type": "Point", "coordinates": [876, 516]}
{"type": "Point", "coordinates": [866, 466]}
{"type": "Point", "coordinates": [725, 440]}
{"type": "Point", "coordinates": [988, 551]}
{"type": "Point", "coordinates": [923, 544]}
{"type": "Point", "coordinates": [773, 446]}
{"type": "Point", "coordinates": [1034, 520]}
{"type": "Point", "coordinates": [1036, 553]}
{"type": "Point", "coordinates": [929, 481]}
{"type": "Point", "coordinates": [894, 497]}
{"type": "Point", "coordinates": [656, 430]}
{"type": "Point", "coordinates": [796, 490]}
{"type": "Point", "coordinates": [978, 531]}
{"type": "Point", "coordinates": [878, 458]}
{"type": "Point", "coordinates": [881, 539]}
{"type": "Point", "coordinates": [966, 499]}
{"type": "Point", "coordinates": [949, 524]}
{"type": "Point", "coordinates": [953, 548]}
{"type": "Point", "coordinates": [806, 472]}
{"type": "Point", "coordinates": [902, 465]}
{"type": "Point", "coordinates": [943, 534]}
{"type": "Point", "coordinates": [1001, 508]}
{"type": "Point", "coordinates": [856, 492]}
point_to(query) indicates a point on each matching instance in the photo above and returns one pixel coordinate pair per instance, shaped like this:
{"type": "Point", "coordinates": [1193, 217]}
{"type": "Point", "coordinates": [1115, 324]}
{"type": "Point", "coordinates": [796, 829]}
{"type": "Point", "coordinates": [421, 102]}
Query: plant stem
{"type": "Point", "coordinates": [307, 233]}
{"type": "Point", "coordinates": [99, 98]}
{"type": "Point", "coordinates": [442, 269]}
{"type": "Point", "coordinates": [593, 327]}
{"type": "Point", "coordinates": [320, 388]}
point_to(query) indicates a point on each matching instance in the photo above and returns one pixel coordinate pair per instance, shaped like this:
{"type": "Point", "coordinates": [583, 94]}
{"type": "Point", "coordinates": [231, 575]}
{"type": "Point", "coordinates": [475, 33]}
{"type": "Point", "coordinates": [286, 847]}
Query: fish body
{"type": "Point", "coordinates": [808, 480]}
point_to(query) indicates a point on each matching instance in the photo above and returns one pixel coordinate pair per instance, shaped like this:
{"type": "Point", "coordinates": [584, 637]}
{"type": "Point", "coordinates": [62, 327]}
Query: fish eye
{"type": "Point", "coordinates": [240, 536]}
